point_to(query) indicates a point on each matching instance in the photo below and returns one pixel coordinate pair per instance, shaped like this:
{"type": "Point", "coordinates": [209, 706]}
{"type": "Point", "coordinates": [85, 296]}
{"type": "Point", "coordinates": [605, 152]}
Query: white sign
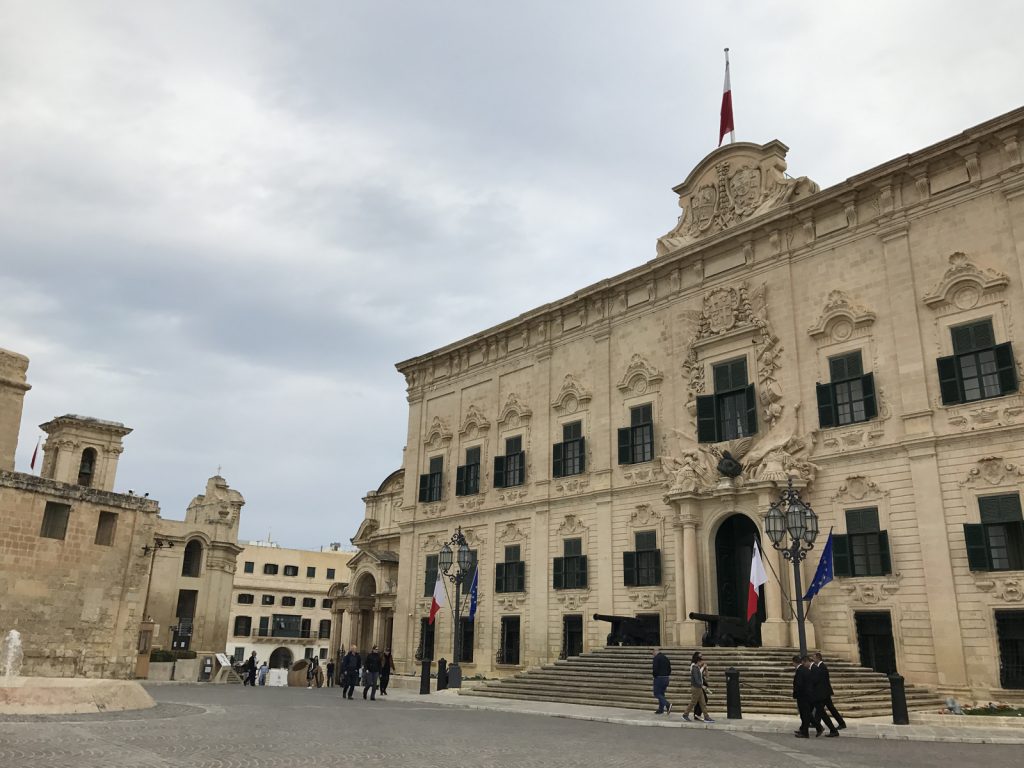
{"type": "Point", "coordinates": [223, 660]}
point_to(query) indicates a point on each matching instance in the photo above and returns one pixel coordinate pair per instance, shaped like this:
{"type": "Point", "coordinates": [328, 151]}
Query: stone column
{"type": "Point", "coordinates": [533, 628]}
{"type": "Point", "coordinates": [692, 630]}
{"type": "Point", "coordinates": [774, 632]}
{"type": "Point", "coordinates": [678, 586]}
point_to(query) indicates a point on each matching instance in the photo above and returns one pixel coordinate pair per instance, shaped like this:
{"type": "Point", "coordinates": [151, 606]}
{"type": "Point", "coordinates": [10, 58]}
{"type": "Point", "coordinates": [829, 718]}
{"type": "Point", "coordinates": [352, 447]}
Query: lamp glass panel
{"type": "Point", "coordinates": [795, 519]}
{"type": "Point", "coordinates": [464, 558]}
{"type": "Point", "coordinates": [444, 559]}
{"type": "Point", "coordinates": [775, 525]}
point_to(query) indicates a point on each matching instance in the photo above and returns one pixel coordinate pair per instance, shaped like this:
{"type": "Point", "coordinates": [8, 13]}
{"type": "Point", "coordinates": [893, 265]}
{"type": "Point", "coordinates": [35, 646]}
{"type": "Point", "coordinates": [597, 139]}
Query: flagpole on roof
{"type": "Point", "coordinates": [726, 123]}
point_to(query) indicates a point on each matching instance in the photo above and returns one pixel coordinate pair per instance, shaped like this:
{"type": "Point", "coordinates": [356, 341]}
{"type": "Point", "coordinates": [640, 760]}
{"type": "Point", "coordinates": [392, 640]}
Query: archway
{"type": "Point", "coordinates": [280, 659]}
{"type": "Point", "coordinates": [366, 588]}
{"type": "Point", "coordinates": [734, 548]}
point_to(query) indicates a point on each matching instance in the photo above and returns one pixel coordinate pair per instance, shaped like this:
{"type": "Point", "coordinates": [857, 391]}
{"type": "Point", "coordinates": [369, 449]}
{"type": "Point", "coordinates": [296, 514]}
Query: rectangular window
{"type": "Point", "coordinates": [431, 483]}
{"type": "Point", "coordinates": [849, 397]}
{"type": "Point", "coordinates": [330, 574]}
{"type": "Point", "coordinates": [245, 598]}
{"type": "Point", "coordinates": [267, 600]}
{"type": "Point", "coordinates": [286, 625]}
{"type": "Point", "coordinates": [636, 442]}
{"type": "Point", "coordinates": [55, 520]}
{"type": "Point", "coordinates": [249, 566]}
{"type": "Point", "coordinates": [239, 654]}
{"type": "Point", "coordinates": [105, 529]}
{"type": "Point", "coordinates": [309, 602]}
{"type": "Point", "coordinates": [642, 568]}
{"type": "Point", "coordinates": [1010, 632]}
{"type": "Point", "coordinates": [508, 649]}
{"type": "Point", "coordinates": [291, 570]}
{"type": "Point", "coordinates": [264, 626]}
{"type": "Point", "coordinates": [270, 569]}
{"type": "Point", "coordinates": [569, 456]}
{"type": "Point", "coordinates": [997, 543]}
{"type": "Point", "coordinates": [466, 642]}
{"type": "Point", "coordinates": [310, 572]}
{"type": "Point", "coordinates": [510, 576]}
{"type": "Point", "coordinates": [979, 368]}
{"type": "Point", "coordinates": [325, 628]}
{"type": "Point", "coordinates": [243, 626]}
{"type": "Point", "coordinates": [323, 653]}
{"type": "Point", "coordinates": [732, 411]}
{"type": "Point", "coordinates": [288, 601]}
{"type": "Point", "coordinates": [510, 469]}
{"type": "Point", "coordinates": [570, 570]}
{"type": "Point", "coordinates": [430, 575]}
{"type": "Point", "coordinates": [309, 653]}
{"type": "Point", "coordinates": [467, 477]}
{"type": "Point", "coordinates": [327, 603]}
{"type": "Point", "coordinates": [864, 549]}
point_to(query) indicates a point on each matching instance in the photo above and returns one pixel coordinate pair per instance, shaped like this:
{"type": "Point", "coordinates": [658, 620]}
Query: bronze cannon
{"type": "Point", "coordinates": [727, 631]}
{"type": "Point", "coordinates": [627, 630]}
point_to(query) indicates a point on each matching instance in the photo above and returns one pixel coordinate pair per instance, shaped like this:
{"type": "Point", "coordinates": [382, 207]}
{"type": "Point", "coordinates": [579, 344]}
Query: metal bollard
{"type": "Point", "coordinates": [442, 674]}
{"type": "Point", "coordinates": [900, 716]}
{"type": "Point", "coordinates": [734, 709]}
{"type": "Point", "coordinates": [425, 677]}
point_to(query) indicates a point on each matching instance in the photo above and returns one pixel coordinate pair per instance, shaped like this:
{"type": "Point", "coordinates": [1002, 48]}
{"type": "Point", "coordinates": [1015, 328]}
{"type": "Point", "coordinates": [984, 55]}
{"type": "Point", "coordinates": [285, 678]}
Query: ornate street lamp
{"type": "Point", "coordinates": [792, 515]}
{"type": "Point", "coordinates": [464, 560]}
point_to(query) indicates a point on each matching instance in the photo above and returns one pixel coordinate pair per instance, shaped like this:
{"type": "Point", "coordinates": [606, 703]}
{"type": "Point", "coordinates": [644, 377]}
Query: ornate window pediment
{"type": "Point", "coordinates": [839, 318]}
{"type": "Point", "coordinates": [514, 414]}
{"type": "Point", "coordinates": [475, 423]}
{"type": "Point", "coordinates": [993, 471]}
{"type": "Point", "coordinates": [640, 377]}
{"type": "Point", "coordinates": [858, 489]}
{"type": "Point", "coordinates": [964, 284]}
{"type": "Point", "coordinates": [438, 435]}
{"type": "Point", "coordinates": [571, 398]}
{"type": "Point", "coordinates": [571, 526]}
{"type": "Point", "coordinates": [511, 532]}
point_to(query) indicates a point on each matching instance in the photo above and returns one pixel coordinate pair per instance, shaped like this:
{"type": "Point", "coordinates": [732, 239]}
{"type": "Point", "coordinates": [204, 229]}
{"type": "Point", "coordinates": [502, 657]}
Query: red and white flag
{"type": "Point", "coordinates": [439, 598]}
{"type": "Point", "coordinates": [757, 578]}
{"type": "Point", "coordinates": [726, 125]}
{"type": "Point", "coordinates": [35, 454]}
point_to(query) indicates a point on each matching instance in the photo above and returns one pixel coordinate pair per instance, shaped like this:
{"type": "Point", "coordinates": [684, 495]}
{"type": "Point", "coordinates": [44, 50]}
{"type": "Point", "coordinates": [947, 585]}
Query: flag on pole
{"type": "Point", "coordinates": [473, 594]}
{"type": "Point", "coordinates": [439, 597]}
{"type": "Point", "coordinates": [35, 453]}
{"type": "Point", "coordinates": [726, 124]}
{"type": "Point", "coordinates": [757, 578]}
{"type": "Point", "coordinates": [824, 573]}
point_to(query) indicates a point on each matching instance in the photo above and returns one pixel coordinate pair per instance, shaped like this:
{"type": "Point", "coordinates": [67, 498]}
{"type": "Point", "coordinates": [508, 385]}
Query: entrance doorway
{"type": "Point", "coordinates": [874, 638]}
{"type": "Point", "coordinates": [280, 659]}
{"type": "Point", "coordinates": [1010, 629]}
{"type": "Point", "coordinates": [650, 626]}
{"type": "Point", "coordinates": [734, 548]}
{"type": "Point", "coordinates": [572, 635]}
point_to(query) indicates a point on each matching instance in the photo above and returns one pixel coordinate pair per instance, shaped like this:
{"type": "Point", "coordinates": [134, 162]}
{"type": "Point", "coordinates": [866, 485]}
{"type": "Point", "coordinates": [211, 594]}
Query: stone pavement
{"type": "Point", "coordinates": [207, 726]}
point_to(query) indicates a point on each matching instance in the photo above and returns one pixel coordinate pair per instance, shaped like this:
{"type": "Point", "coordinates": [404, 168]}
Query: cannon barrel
{"type": "Point", "coordinates": [707, 617]}
{"type": "Point", "coordinates": [606, 617]}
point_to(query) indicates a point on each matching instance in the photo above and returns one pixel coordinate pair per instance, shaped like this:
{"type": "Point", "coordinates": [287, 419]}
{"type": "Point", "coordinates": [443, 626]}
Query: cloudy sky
{"type": "Point", "coordinates": [223, 223]}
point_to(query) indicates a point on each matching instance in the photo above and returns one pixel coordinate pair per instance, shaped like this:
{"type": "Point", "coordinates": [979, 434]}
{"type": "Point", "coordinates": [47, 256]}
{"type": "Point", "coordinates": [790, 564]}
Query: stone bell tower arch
{"type": "Point", "coordinates": [80, 450]}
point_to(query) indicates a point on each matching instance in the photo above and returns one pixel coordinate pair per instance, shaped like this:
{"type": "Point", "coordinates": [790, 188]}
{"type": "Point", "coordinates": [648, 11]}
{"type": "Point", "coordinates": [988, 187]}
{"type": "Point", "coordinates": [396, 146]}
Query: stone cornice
{"type": "Point", "coordinates": [68, 492]}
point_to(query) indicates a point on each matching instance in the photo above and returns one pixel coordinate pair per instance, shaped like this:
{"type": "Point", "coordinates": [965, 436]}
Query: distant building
{"type": "Point", "coordinates": [281, 603]}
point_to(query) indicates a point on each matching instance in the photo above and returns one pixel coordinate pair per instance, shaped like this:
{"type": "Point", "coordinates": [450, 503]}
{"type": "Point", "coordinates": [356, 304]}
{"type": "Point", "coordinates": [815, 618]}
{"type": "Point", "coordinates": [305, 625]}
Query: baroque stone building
{"type": "Point", "coordinates": [859, 339]}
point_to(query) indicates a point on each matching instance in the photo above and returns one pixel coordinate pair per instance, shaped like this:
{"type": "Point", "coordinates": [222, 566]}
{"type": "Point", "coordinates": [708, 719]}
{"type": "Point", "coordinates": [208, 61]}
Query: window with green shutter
{"type": "Point", "coordinates": [510, 469]}
{"type": "Point", "coordinates": [642, 567]}
{"type": "Point", "coordinates": [430, 576]}
{"type": "Point", "coordinates": [636, 442]}
{"type": "Point", "coordinates": [864, 549]}
{"type": "Point", "coordinates": [731, 412]}
{"type": "Point", "coordinates": [997, 543]}
{"type": "Point", "coordinates": [431, 484]}
{"type": "Point", "coordinates": [570, 570]}
{"type": "Point", "coordinates": [569, 456]}
{"type": "Point", "coordinates": [849, 397]}
{"type": "Point", "coordinates": [467, 476]}
{"type": "Point", "coordinates": [979, 368]}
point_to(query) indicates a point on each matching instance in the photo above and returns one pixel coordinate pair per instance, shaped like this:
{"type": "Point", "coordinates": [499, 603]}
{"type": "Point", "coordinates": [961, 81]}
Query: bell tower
{"type": "Point", "coordinates": [82, 451]}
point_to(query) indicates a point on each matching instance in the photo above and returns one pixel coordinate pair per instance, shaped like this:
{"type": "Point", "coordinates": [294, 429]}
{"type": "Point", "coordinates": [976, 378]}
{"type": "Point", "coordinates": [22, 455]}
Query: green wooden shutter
{"type": "Point", "coordinates": [499, 471]}
{"type": "Point", "coordinates": [522, 467]}
{"type": "Point", "coordinates": [520, 571]}
{"type": "Point", "coordinates": [867, 384]}
{"type": "Point", "coordinates": [657, 567]}
{"type": "Point", "coordinates": [886, 556]}
{"type": "Point", "coordinates": [707, 423]}
{"type": "Point", "coordinates": [424, 487]}
{"type": "Point", "coordinates": [581, 579]}
{"type": "Point", "coordinates": [625, 446]}
{"type": "Point", "coordinates": [841, 562]}
{"type": "Point", "coordinates": [949, 380]}
{"type": "Point", "coordinates": [558, 574]}
{"type": "Point", "coordinates": [1006, 367]}
{"type": "Point", "coordinates": [977, 547]}
{"type": "Point", "coordinates": [751, 411]}
{"type": "Point", "coordinates": [629, 569]}
{"type": "Point", "coordinates": [826, 406]}
{"type": "Point", "coordinates": [583, 455]}
{"type": "Point", "coordinates": [557, 467]}
{"type": "Point", "coordinates": [499, 577]}
{"type": "Point", "coordinates": [460, 481]}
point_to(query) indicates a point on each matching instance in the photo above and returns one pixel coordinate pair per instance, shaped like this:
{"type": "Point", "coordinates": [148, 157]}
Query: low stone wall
{"type": "Point", "coordinates": [63, 696]}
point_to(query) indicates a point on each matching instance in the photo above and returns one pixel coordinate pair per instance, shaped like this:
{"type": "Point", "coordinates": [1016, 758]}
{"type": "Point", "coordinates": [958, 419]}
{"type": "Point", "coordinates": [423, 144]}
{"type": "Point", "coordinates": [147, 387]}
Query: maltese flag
{"type": "Point", "coordinates": [726, 125]}
{"type": "Point", "coordinates": [439, 597]}
{"type": "Point", "coordinates": [757, 578]}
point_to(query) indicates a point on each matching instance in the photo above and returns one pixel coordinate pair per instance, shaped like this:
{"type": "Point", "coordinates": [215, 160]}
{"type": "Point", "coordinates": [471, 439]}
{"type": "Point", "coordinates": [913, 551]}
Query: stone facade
{"type": "Point", "coordinates": [282, 603]}
{"type": "Point", "coordinates": [762, 288]}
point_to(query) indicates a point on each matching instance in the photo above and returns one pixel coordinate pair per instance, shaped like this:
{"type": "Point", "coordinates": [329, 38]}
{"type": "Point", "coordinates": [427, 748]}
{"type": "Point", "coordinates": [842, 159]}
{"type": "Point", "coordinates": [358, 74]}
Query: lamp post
{"type": "Point", "coordinates": [158, 544]}
{"type": "Point", "coordinates": [446, 559]}
{"type": "Point", "coordinates": [792, 515]}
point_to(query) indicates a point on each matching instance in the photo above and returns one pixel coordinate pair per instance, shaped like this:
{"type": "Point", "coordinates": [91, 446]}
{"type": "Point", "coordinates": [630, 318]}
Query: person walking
{"type": "Point", "coordinates": [250, 670]}
{"type": "Point", "coordinates": [262, 675]}
{"type": "Point", "coordinates": [330, 674]}
{"type": "Point", "coordinates": [802, 694]}
{"type": "Point", "coordinates": [350, 672]}
{"type": "Point", "coordinates": [387, 665]}
{"type": "Point", "coordinates": [827, 704]}
{"type": "Point", "coordinates": [313, 672]}
{"type": "Point", "coordinates": [661, 671]}
{"type": "Point", "coordinates": [371, 673]}
{"type": "Point", "coordinates": [707, 691]}
{"type": "Point", "coordinates": [697, 695]}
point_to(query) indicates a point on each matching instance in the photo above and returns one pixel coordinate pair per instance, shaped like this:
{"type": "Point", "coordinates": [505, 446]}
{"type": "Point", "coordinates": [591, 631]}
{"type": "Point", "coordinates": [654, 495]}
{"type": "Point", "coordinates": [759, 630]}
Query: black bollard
{"type": "Point", "coordinates": [442, 674]}
{"type": "Point", "coordinates": [734, 710]}
{"type": "Point", "coordinates": [900, 716]}
{"type": "Point", "coordinates": [425, 676]}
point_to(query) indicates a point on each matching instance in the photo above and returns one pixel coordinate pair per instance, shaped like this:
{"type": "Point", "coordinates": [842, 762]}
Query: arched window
{"type": "Point", "coordinates": [193, 558]}
{"type": "Point", "coordinates": [87, 467]}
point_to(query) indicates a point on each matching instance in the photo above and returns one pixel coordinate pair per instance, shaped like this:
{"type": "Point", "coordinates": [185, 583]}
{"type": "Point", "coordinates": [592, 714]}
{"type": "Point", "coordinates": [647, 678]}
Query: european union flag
{"type": "Point", "coordinates": [824, 573]}
{"type": "Point", "coordinates": [476, 580]}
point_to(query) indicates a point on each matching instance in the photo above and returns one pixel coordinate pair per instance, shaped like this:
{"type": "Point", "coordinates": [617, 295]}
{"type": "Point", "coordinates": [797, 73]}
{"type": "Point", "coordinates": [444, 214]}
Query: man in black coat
{"type": "Point", "coordinates": [819, 664]}
{"type": "Point", "coordinates": [371, 672]}
{"type": "Point", "coordinates": [802, 694]}
{"type": "Point", "coordinates": [350, 672]}
{"type": "Point", "coordinates": [661, 670]}
{"type": "Point", "coordinates": [821, 689]}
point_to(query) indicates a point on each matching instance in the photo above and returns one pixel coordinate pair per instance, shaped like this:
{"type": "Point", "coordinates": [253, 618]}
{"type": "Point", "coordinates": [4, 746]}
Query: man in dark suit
{"type": "Point", "coordinates": [802, 694]}
{"type": "Point", "coordinates": [821, 689]}
{"type": "Point", "coordinates": [661, 670]}
{"type": "Point", "coordinates": [827, 704]}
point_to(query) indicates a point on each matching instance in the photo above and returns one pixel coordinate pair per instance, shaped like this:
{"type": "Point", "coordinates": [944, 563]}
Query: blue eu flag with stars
{"type": "Point", "coordinates": [472, 592]}
{"type": "Point", "coordinates": [824, 573]}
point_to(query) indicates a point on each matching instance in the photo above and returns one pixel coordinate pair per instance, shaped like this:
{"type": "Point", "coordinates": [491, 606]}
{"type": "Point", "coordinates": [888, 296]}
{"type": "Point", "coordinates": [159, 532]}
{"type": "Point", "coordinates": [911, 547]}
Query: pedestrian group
{"type": "Point", "coordinates": [373, 672]}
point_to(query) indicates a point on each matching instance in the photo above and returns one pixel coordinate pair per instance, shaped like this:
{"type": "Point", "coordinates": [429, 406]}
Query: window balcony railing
{"type": "Point", "coordinates": [281, 635]}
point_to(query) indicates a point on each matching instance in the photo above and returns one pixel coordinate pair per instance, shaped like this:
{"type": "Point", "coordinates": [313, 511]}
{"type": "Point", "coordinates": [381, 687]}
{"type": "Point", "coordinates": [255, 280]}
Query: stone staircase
{"type": "Point", "coordinates": [621, 677]}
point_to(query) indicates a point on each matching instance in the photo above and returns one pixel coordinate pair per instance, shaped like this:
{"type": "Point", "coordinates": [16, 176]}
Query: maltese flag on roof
{"type": "Point", "coordinates": [726, 124]}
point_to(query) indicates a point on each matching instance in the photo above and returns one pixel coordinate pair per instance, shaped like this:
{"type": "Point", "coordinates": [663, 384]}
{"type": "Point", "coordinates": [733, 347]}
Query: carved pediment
{"type": "Point", "coordinates": [840, 317]}
{"type": "Point", "coordinates": [732, 184]}
{"type": "Point", "coordinates": [511, 532]}
{"type": "Point", "coordinates": [438, 435]}
{"type": "Point", "coordinates": [475, 423]}
{"type": "Point", "coordinates": [858, 488]}
{"type": "Point", "coordinates": [993, 470]}
{"type": "Point", "coordinates": [571, 525]}
{"type": "Point", "coordinates": [640, 377]}
{"type": "Point", "coordinates": [514, 414]}
{"type": "Point", "coordinates": [571, 398]}
{"type": "Point", "coordinates": [964, 284]}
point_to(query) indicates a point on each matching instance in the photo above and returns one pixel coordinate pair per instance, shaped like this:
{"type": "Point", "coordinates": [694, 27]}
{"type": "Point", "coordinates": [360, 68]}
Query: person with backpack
{"type": "Point", "coordinates": [697, 695]}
